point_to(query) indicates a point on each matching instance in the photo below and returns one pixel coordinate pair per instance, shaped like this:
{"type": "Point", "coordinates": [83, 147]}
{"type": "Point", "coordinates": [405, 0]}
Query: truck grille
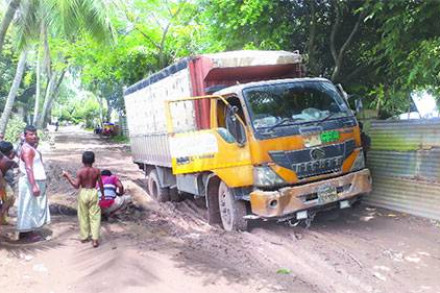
{"type": "Point", "coordinates": [314, 161]}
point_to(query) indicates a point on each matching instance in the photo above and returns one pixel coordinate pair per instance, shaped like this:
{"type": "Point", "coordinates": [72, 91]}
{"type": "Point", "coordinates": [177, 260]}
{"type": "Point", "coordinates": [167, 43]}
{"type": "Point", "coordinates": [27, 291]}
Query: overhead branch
{"type": "Point", "coordinates": [47, 59]}
{"type": "Point", "coordinates": [165, 32]}
{"type": "Point", "coordinates": [312, 36]}
{"type": "Point", "coordinates": [335, 28]}
{"type": "Point", "coordinates": [340, 55]}
{"type": "Point", "coordinates": [147, 37]}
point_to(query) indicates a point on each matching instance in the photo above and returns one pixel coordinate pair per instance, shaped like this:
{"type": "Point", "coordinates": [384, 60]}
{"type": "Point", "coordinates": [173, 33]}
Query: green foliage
{"type": "Point", "coordinates": [150, 35]}
{"type": "Point", "coordinates": [248, 24]}
{"type": "Point", "coordinates": [120, 139]}
{"type": "Point", "coordinates": [284, 271]}
{"type": "Point", "coordinates": [14, 129]}
{"type": "Point", "coordinates": [8, 59]}
{"type": "Point", "coordinates": [394, 51]}
{"type": "Point", "coordinates": [406, 57]}
{"type": "Point", "coordinates": [82, 107]}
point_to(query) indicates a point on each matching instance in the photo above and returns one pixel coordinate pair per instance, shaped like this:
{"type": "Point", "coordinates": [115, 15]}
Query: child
{"type": "Point", "coordinates": [7, 149]}
{"type": "Point", "coordinates": [5, 165]}
{"type": "Point", "coordinates": [89, 213]}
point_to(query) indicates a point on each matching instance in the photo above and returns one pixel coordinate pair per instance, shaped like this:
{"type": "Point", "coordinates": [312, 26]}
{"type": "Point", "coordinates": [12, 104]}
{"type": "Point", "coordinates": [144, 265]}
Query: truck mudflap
{"type": "Point", "coordinates": [289, 200]}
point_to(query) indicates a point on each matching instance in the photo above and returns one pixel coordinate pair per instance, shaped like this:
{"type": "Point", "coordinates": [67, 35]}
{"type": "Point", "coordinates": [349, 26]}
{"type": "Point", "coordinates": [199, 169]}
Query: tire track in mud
{"type": "Point", "coordinates": [262, 252]}
{"type": "Point", "coordinates": [330, 270]}
{"type": "Point", "coordinates": [342, 255]}
{"type": "Point", "coordinates": [211, 247]}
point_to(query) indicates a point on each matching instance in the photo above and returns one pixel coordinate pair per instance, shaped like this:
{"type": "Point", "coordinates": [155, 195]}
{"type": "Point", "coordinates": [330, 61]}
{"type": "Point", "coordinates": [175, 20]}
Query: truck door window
{"type": "Point", "coordinates": [227, 118]}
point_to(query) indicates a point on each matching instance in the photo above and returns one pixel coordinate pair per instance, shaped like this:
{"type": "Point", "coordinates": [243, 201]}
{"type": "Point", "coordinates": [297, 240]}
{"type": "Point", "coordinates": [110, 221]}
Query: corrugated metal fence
{"type": "Point", "coordinates": [405, 163]}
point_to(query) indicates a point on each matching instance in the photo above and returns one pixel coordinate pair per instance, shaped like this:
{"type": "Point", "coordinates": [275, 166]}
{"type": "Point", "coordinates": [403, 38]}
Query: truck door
{"type": "Point", "coordinates": [222, 149]}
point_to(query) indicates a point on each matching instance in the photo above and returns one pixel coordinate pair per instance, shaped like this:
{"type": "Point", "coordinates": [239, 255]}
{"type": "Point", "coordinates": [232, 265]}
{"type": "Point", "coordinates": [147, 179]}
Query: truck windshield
{"type": "Point", "coordinates": [281, 104]}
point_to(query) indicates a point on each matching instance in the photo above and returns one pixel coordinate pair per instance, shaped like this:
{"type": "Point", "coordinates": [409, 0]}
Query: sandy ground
{"type": "Point", "coordinates": [170, 248]}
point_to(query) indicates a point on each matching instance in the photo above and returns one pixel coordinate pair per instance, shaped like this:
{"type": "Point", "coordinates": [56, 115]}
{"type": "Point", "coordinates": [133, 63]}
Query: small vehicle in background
{"type": "Point", "coordinates": [108, 129]}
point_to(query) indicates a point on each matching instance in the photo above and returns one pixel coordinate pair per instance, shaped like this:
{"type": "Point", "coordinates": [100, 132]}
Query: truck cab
{"type": "Point", "coordinates": [279, 149]}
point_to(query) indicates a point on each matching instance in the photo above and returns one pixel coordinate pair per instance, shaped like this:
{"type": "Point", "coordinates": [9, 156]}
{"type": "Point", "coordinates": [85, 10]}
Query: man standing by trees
{"type": "Point", "coordinates": [33, 207]}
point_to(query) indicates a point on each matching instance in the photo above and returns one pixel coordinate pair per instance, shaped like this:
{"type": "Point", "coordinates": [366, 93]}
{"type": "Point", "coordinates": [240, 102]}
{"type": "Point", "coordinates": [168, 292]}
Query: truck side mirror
{"type": "Point", "coordinates": [234, 126]}
{"type": "Point", "coordinates": [232, 112]}
{"type": "Point", "coordinates": [358, 105]}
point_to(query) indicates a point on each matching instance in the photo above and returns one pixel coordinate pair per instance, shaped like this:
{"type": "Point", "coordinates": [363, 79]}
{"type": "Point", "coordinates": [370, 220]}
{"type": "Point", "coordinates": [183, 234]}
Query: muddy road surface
{"type": "Point", "coordinates": [169, 247]}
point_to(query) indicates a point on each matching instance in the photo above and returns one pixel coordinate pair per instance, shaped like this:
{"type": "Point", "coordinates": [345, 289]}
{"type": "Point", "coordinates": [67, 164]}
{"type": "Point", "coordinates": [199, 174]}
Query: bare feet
{"type": "Point", "coordinates": [95, 243]}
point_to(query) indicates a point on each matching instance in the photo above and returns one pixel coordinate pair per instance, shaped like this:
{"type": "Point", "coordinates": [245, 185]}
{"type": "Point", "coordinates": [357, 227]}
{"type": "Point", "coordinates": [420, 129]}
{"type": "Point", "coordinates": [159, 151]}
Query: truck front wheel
{"type": "Point", "coordinates": [232, 211]}
{"type": "Point", "coordinates": [158, 193]}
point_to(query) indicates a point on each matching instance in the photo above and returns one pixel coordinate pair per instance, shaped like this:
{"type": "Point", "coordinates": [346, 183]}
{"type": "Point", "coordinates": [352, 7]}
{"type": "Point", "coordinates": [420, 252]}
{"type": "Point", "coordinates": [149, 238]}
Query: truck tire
{"type": "Point", "coordinates": [175, 195]}
{"type": "Point", "coordinates": [158, 193]}
{"type": "Point", "coordinates": [232, 211]}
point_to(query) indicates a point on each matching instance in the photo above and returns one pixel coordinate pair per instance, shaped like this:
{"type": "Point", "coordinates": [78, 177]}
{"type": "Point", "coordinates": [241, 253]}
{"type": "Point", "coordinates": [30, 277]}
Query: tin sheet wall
{"type": "Point", "coordinates": [405, 163]}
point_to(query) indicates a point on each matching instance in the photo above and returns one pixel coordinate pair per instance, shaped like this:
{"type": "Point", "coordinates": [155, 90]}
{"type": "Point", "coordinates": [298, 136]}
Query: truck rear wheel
{"type": "Point", "coordinates": [232, 211]}
{"type": "Point", "coordinates": [158, 193]}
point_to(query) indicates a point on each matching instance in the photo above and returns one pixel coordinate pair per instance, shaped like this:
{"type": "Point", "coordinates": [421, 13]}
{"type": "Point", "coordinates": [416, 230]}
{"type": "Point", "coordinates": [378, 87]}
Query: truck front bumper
{"type": "Point", "coordinates": [289, 200]}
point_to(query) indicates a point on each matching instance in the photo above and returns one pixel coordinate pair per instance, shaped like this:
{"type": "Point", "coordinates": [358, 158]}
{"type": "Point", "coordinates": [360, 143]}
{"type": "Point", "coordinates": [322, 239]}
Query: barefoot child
{"type": "Point", "coordinates": [89, 213]}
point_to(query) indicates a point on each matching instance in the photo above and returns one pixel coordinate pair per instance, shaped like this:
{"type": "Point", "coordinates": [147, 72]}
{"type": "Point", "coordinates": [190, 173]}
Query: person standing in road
{"type": "Point", "coordinates": [33, 207]}
{"type": "Point", "coordinates": [89, 212]}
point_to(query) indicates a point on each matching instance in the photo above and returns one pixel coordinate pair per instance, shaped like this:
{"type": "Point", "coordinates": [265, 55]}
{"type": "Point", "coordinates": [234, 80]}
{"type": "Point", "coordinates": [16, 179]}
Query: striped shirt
{"type": "Point", "coordinates": [110, 184]}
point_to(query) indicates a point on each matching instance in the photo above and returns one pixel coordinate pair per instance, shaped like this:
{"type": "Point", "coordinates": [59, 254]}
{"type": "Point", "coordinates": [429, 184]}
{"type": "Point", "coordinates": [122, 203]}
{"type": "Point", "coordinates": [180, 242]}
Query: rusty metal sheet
{"type": "Point", "coordinates": [420, 198]}
{"type": "Point", "coordinates": [420, 164]}
{"type": "Point", "coordinates": [405, 135]}
{"type": "Point", "coordinates": [405, 164]}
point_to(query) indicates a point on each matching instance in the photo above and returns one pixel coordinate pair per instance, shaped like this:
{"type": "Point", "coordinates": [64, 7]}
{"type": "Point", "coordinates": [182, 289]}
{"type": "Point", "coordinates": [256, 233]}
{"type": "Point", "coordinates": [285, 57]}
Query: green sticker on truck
{"type": "Point", "coordinates": [329, 136]}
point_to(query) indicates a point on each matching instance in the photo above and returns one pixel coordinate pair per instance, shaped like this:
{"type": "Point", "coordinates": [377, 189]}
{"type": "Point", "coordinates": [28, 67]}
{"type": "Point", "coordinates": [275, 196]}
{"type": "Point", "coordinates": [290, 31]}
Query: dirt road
{"type": "Point", "coordinates": [169, 247]}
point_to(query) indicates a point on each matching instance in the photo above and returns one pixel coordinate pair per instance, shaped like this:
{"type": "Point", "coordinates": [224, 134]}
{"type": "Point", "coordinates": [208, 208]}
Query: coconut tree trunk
{"type": "Point", "coordinates": [52, 90]}
{"type": "Point", "coordinates": [109, 110]}
{"type": "Point", "coordinates": [38, 88]}
{"type": "Point", "coordinates": [7, 19]}
{"type": "Point", "coordinates": [13, 92]}
{"type": "Point", "coordinates": [39, 73]}
{"type": "Point", "coordinates": [101, 109]}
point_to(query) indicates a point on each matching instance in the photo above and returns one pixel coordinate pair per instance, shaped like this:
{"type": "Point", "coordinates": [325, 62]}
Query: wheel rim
{"type": "Point", "coordinates": [154, 190]}
{"type": "Point", "coordinates": [225, 209]}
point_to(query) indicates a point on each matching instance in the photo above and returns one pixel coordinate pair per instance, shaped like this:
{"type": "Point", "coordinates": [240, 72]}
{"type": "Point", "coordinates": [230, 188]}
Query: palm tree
{"type": "Point", "coordinates": [38, 20]}
{"type": "Point", "coordinates": [7, 20]}
{"type": "Point", "coordinates": [13, 92]}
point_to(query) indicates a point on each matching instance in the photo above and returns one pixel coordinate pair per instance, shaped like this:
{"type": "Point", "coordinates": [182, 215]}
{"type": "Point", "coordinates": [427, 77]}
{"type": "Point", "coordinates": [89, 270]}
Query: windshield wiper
{"type": "Point", "coordinates": [281, 122]}
{"type": "Point", "coordinates": [329, 116]}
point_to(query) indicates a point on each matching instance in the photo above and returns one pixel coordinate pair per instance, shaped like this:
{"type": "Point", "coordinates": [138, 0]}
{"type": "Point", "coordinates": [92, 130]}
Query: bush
{"type": "Point", "coordinates": [120, 139]}
{"type": "Point", "coordinates": [14, 129]}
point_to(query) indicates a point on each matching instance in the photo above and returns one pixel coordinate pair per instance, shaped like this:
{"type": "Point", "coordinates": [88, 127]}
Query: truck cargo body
{"type": "Point", "coordinates": [243, 131]}
{"type": "Point", "coordinates": [196, 76]}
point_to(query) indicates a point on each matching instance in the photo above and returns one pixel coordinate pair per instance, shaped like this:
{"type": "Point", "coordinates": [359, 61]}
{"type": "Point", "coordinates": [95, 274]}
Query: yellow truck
{"type": "Point", "coordinates": [248, 135]}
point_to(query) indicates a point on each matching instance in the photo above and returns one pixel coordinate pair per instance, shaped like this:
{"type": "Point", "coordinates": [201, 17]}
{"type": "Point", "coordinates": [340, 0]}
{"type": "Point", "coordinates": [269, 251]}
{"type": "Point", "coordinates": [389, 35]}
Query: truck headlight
{"type": "Point", "coordinates": [264, 176]}
{"type": "Point", "coordinates": [359, 163]}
